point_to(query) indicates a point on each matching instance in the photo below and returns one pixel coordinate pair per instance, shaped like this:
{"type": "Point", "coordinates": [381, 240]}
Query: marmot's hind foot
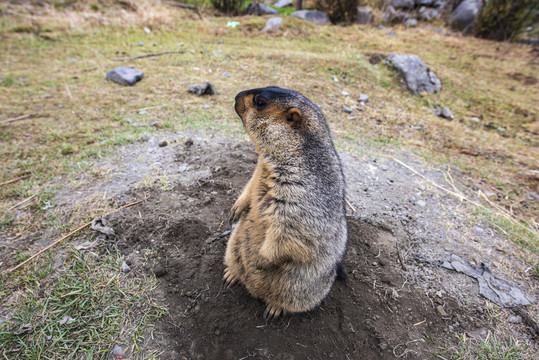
{"type": "Point", "coordinates": [273, 312]}
{"type": "Point", "coordinates": [229, 279]}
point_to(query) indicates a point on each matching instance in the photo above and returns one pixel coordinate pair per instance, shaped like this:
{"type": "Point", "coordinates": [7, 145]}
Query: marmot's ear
{"type": "Point", "coordinates": [294, 116]}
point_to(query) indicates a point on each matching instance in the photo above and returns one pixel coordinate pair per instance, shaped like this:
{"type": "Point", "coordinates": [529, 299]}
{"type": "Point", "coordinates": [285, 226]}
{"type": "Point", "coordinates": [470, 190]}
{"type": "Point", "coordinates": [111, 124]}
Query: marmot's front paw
{"type": "Point", "coordinates": [237, 210]}
{"type": "Point", "coordinates": [273, 312]}
{"type": "Point", "coordinates": [229, 279]}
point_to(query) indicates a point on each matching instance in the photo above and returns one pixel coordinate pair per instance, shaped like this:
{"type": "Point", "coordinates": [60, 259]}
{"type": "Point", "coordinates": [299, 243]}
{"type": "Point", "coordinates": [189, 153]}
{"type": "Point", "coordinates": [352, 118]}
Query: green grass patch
{"type": "Point", "coordinates": [493, 348]}
{"type": "Point", "coordinates": [80, 310]}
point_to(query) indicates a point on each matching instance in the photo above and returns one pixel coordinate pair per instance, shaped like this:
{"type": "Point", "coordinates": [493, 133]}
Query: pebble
{"type": "Point", "coordinates": [446, 113]}
{"type": "Point", "coordinates": [163, 143]}
{"type": "Point", "coordinates": [159, 271]}
{"type": "Point", "coordinates": [125, 268]}
{"type": "Point", "coordinates": [226, 74]}
{"type": "Point", "coordinates": [206, 107]}
{"type": "Point", "coordinates": [347, 109]}
{"type": "Point", "coordinates": [180, 44]}
{"type": "Point", "coordinates": [515, 319]}
{"type": "Point", "coordinates": [478, 230]}
{"type": "Point", "coordinates": [117, 352]}
{"type": "Point", "coordinates": [46, 96]}
{"type": "Point", "coordinates": [147, 30]}
{"type": "Point", "coordinates": [220, 42]}
{"type": "Point", "coordinates": [441, 310]}
{"type": "Point", "coordinates": [145, 137]}
{"type": "Point", "coordinates": [140, 44]}
{"type": "Point", "coordinates": [421, 203]}
{"type": "Point", "coordinates": [189, 142]}
{"type": "Point", "coordinates": [206, 200]}
{"type": "Point", "coordinates": [475, 119]}
{"type": "Point", "coordinates": [345, 93]}
{"type": "Point", "coordinates": [363, 98]}
{"type": "Point", "coordinates": [391, 33]}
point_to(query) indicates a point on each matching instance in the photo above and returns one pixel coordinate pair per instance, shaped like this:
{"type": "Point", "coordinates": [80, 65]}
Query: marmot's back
{"type": "Point", "coordinates": [292, 230]}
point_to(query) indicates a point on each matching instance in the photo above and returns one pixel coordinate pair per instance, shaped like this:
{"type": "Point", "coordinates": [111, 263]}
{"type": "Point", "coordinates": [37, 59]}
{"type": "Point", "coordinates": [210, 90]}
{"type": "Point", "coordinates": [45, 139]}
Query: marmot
{"type": "Point", "coordinates": [292, 233]}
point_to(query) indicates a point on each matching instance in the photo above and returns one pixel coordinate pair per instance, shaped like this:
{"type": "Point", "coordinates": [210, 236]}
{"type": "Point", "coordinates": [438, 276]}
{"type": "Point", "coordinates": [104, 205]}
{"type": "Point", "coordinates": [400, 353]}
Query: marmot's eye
{"type": "Point", "coordinates": [259, 103]}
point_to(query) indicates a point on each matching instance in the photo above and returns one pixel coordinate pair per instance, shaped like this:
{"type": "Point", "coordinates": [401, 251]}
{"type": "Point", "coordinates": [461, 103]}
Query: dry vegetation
{"type": "Point", "coordinates": [54, 59]}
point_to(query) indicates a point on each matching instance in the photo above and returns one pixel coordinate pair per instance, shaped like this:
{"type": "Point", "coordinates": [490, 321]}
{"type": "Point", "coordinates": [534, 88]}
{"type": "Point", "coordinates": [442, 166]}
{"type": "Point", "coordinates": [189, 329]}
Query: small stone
{"type": "Point", "coordinates": [391, 33]}
{"type": "Point", "coordinates": [206, 107]}
{"type": "Point", "coordinates": [478, 230]}
{"type": "Point", "coordinates": [46, 96]}
{"type": "Point", "coordinates": [421, 203]}
{"type": "Point", "coordinates": [180, 44]}
{"type": "Point", "coordinates": [124, 75]}
{"type": "Point", "coordinates": [117, 352]}
{"type": "Point", "coordinates": [203, 89]}
{"type": "Point", "coordinates": [382, 346]}
{"type": "Point", "coordinates": [140, 44]}
{"type": "Point", "coordinates": [441, 310]}
{"type": "Point", "coordinates": [217, 332]}
{"type": "Point", "coordinates": [163, 143]}
{"type": "Point", "coordinates": [159, 271]}
{"type": "Point", "coordinates": [143, 112]}
{"type": "Point", "coordinates": [226, 74]}
{"type": "Point", "coordinates": [145, 137]}
{"type": "Point", "coordinates": [206, 200]}
{"type": "Point", "coordinates": [345, 93]}
{"type": "Point", "coordinates": [273, 24]}
{"type": "Point", "coordinates": [499, 128]}
{"type": "Point", "coordinates": [75, 77]}
{"type": "Point", "coordinates": [220, 42]}
{"type": "Point", "coordinates": [125, 268]}
{"type": "Point", "coordinates": [446, 113]}
{"type": "Point", "coordinates": [363, 98]}
{"type": "Point", "coordinates": [129, 120]}
{"type": "Point", "coordinates": [189, 142]}
{"type": "Point", "coordinates": [147, 30]}
{"type": "Point", "coordinates": [410, 23]}
{"type": "Point", "coordinates": [475, 119]}
{"type": "Point", "coordinates": [515, 319]}
{"type": "Point", "coordinates": [347, 109]}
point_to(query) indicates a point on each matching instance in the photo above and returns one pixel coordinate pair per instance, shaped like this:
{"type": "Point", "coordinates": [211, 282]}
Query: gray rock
{"type": "Point", "coordinates": [424, 2]}
{"type": "Point", "coordinates": [117, 352]}
{"type": "Point", "coordinates": [347, 109]}
{"type": "Point", "coordinates": [145, 137]}
{"type": "Point", "coordinates": [421, 203]}
{"type": "Point", "coordinates": [125, 75]}
{"type": "Point", "coordinates": [391, 33]}
{"type": "Point", "coordinates": [226, 74]}
{"type": "Point", "coordinates": [402, 4]}
{"type": "Point", "coordinates": [475, 119]}
{"type": "Point", "coordinates": [417, 76]}
{"type": "Point", "coordinates": [47, 96]}
{"type": "Point", "coordinates": [163, 143]}
{"type": "Point", "coordinates": [203, 89]}
{"type": "Point", "coordinates": [515, 319]}
{"type": "Point", "coordinates": [364, 15]}
{"type": "Point", "coordinates": [463, 17]}
{"type": "Point", "coordinates": [410, 23]}
{"type": "Point", "coordinates": [282, 3]}
{"type": "Point", "coordinates": [478, 230]}
{"type": "Point", "coordinates": [125, 268]}
{"type": "Point", "coordinates": [363, 98]}
{"type": "Point", "coordinates": [429, 14]}
{"type": "Point", "coordinates": [316, 17]}
{"type": "Point", "coordinates": [258, 9]}
{"type": "Point", "coordinates": [446, 113]}
{"type": "Point", "coordinates": [273, 24]}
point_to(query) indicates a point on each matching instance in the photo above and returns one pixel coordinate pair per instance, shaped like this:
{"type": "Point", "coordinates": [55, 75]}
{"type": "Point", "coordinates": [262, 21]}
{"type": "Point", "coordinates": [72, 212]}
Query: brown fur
{"type": "Point", "coordinates": [292, 229]}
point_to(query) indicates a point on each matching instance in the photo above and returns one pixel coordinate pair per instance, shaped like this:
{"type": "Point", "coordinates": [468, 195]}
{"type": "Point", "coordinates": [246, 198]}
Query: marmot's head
{"type": "Point", "coordinates": [280, 120]}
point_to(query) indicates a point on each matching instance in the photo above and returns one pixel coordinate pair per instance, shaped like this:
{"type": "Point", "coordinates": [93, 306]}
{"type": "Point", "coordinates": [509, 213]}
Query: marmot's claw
{"type": "Point", "coordinates": [272, 312]}
{"type": "Point", "coordinates": [228, 279]}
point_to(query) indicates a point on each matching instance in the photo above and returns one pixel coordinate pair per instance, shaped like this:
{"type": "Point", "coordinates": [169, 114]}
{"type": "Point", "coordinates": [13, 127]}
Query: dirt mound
{"type": "Point", "coordinates": [178, 234]}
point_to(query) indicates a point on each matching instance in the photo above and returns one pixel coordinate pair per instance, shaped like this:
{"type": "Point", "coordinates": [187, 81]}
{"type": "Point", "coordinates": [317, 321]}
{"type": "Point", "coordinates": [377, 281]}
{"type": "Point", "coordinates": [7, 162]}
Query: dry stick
{"type": "Point", "coordinates": [15, 118]}
{"type": "Point", "coordinates": [459, 196]}
{"type": "Point", "coordinates": [65, 237]}
{"type": "Point", "coordinates": [351, 207]}
{"type": "Point", "coordinates": [150, 55]}
{"type": "Point", "coordinates": [13, 180]}
{"type": "Point", "coordinates": [22, 202]}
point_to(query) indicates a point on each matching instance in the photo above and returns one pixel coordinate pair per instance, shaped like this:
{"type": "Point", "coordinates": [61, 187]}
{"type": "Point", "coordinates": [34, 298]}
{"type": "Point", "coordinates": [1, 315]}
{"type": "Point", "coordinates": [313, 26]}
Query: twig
{"type": "Point", "coordinates": [150, 55]}
{"type": "Point", "coordinates": [351, 207]}
{"type": "Point", "coordinates": [65, 237]}
{"type": "Point", "coordinates": [189, 7]}
{"type": "Point", "coordinates": [421, 322]}
{"type": "Point", "coordinates": [401, 260]}
{"type": "Point", "coordinates": [20, 117]}
{"type": "Point", "coordinates": [22, 202]}
{"type": "Point", "coordinates": [152, 107]}
{"type": "Point", "coordinates": [14, 180]}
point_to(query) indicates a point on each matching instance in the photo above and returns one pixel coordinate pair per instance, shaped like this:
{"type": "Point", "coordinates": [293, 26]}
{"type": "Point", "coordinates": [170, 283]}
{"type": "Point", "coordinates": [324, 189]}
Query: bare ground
{"type": "Point", "coordinates": [410, 308]}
